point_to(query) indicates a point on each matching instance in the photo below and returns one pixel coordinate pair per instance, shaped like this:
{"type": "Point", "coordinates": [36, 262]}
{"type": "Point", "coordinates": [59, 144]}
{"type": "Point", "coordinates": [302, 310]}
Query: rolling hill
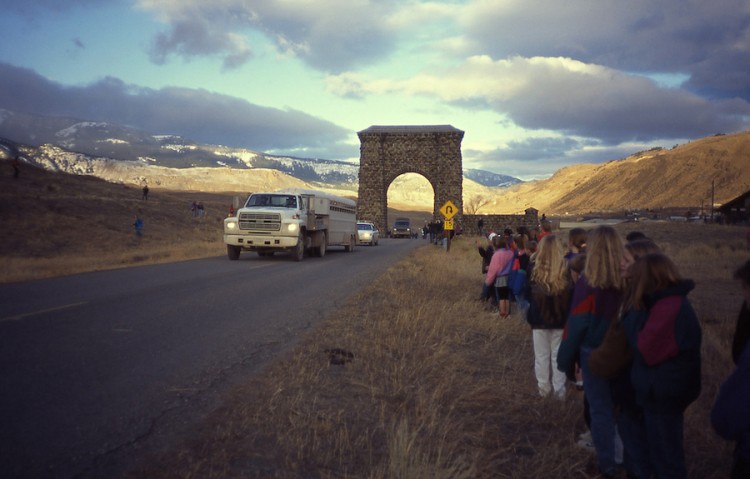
{"type": "Point", "coordinates": [656, 179]}
{"type": "Point", "coordinates": [659, 178]}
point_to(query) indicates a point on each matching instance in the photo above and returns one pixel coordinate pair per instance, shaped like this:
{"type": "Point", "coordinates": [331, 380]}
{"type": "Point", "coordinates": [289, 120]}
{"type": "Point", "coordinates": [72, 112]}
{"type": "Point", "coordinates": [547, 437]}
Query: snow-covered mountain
{"type": "Point", "coordinates": [102, 140]}
{"type": "Point", "coordinates": [487, 178]}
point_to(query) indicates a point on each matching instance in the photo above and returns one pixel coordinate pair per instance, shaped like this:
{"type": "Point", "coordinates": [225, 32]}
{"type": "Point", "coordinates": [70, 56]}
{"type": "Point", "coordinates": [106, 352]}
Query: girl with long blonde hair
{"type": "Point", "coordinates": [549, 302]}
{"type": "Point", "coordinates": [597, 299]}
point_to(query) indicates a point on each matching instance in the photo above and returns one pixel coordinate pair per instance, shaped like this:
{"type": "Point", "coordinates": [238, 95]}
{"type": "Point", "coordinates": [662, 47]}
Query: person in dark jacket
{"type": "Point", "coordinates": [729, 416]}
{"type": "Point", "coordinates": [742, 329]}
{"type": "Point", "coordinates": [630, 423]}
{"type": "Point", "coordinates": [486, 251]}
{"type": "Point", "coordinates": [138, 225]}
{"type": "Point", "coordinates": [597, 297]}
{"type": "Point", "coordinates": [664, 335]}
{"type": "Point", "coordinates": [549, 297]}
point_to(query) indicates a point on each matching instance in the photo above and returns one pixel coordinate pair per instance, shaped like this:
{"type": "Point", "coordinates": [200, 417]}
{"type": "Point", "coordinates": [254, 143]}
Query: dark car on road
{"type": "Point", "coordinates": [401, 228]}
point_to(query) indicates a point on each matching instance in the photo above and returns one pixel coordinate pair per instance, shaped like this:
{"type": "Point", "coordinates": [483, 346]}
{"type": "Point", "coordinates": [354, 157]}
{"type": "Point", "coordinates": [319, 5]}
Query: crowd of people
{"type": "Point", "coordinates": [614, 317]}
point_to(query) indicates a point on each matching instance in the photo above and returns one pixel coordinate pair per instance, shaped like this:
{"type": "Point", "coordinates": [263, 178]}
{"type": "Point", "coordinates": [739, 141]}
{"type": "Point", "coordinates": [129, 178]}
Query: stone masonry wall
{"type": "Point", "coordinates": [389, 151]}
{"type": "Point", "coordinates": [498, 223]}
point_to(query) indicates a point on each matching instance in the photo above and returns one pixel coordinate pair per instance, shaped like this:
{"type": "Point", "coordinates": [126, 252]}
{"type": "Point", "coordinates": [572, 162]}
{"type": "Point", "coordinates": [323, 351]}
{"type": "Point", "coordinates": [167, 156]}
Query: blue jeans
{"type": "Point", "coordinates": [601, 406]}
{"type": "Point", "coordinates": [664, 431]}
{"type": "Point", "coordinates": [632, 428]}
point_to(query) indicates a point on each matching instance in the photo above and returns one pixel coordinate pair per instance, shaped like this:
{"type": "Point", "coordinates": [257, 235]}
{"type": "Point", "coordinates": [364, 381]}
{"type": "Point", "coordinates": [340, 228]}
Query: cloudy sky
{"type": "Point", "coordinates": [535, 84]}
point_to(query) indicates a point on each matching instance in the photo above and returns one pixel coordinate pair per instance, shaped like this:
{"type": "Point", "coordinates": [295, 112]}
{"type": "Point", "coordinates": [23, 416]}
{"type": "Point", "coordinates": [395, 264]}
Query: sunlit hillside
{"type": "Point", "coordinates": [680, 177]}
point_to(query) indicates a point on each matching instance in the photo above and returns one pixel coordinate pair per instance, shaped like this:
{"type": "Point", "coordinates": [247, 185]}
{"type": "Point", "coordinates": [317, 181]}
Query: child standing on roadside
{"type": "Point", "coordinates": [729, 415]}
{"type": "Point", "coordinates": [498, 272]}
{"type": "Point", "coordinates": [665, 337]}
{"type": "Point", "coordinates": [486, 251]}
{"type": "Point", "coordinates": [596, 302]}
{"type": "Point", "coordinates": [551, 292]}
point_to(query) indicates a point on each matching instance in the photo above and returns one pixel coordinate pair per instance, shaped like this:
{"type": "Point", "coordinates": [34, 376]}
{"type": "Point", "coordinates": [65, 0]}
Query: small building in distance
{"type": "Point", "coordinates": [736, 210]}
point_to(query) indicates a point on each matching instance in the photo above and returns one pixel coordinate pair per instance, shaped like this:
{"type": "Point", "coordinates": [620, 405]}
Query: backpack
{"type": "Point", "coordinates": [517, 279]}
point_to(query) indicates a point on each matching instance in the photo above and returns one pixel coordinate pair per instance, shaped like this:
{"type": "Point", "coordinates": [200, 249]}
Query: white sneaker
{"type": "Point", "coordinates": [586, 444]}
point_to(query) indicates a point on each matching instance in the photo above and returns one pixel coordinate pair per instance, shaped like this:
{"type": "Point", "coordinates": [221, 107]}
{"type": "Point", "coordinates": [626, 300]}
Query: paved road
{"type": "Point", "coordinates": [96, 369]}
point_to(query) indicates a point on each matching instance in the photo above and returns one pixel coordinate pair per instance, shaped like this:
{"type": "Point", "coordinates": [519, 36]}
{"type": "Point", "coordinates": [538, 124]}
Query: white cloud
{"type": "Point", "coordinates": [327, 34]}
{"type": "Point", "coordinates": [196, 114]}
{"type": "Point", "coordinates": [563, 95]}
{"type": "Point", "coordinates": [669, 36]}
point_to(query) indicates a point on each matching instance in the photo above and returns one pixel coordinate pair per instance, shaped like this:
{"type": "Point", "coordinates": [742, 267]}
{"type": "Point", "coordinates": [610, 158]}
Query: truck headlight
{"type": "Point", "coordinates": [230, 225]}
{"type": "Point", "coordinates": [292, 227]}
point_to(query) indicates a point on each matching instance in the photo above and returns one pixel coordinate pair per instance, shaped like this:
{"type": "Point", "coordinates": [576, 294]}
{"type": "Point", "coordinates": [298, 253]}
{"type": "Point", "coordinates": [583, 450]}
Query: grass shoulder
{"type": "Point", "coordinates": [426, 383]}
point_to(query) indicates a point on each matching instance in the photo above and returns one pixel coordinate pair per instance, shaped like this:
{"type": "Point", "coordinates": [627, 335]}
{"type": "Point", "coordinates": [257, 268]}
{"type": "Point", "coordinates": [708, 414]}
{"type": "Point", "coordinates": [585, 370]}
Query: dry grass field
{"type": "Point", "coordinates": [55, 223]}
{"type": "Point", "coordinates": [437, 386]}
{"type": "Point", "coordinates": [440, 388]}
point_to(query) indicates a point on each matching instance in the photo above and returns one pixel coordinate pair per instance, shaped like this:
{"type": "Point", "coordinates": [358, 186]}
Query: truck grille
{"type": "Point", "coordinates": [260, 221]}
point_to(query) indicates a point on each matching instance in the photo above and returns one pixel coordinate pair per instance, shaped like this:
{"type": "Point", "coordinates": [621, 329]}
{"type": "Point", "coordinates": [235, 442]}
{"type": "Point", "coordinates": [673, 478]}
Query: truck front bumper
{"type": "Point", "coordinates": [252, 242]}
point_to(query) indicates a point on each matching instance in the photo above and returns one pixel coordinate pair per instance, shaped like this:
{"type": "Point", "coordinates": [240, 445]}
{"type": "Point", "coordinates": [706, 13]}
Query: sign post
{"type": "Point", "coordinates": [448, 210]}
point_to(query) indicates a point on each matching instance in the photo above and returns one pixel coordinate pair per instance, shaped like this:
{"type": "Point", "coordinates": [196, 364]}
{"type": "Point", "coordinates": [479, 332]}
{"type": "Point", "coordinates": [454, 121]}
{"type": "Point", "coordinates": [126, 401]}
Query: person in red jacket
{"type": "Point", "coordinates": [546, 228]}
{"type": "Point", "coordinates": [664, 335]}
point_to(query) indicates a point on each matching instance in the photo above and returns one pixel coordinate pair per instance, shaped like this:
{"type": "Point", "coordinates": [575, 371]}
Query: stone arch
{"type": "Point", "coordinates": [387, 152]}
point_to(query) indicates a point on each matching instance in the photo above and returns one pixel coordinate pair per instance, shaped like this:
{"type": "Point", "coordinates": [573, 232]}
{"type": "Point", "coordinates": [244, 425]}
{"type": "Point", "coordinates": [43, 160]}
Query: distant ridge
{"type": "Point", "coordinates": [680, 177]}
{"type": "Point", "coordinates": [116, 142]}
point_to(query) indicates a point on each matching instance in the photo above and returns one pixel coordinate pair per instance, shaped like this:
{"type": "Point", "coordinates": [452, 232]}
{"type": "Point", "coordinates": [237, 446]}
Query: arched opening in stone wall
{"type": "Point", "coordinates": [410, 195]}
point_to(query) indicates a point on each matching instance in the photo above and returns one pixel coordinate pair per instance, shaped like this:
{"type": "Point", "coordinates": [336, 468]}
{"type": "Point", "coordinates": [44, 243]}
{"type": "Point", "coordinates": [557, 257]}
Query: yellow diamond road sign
{"type": "Point", "coordinates": [448, 210]}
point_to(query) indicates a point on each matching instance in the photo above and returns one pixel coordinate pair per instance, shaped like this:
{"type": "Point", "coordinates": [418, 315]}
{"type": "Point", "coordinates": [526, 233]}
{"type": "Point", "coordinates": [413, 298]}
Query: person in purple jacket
{"type": "Point", "coordinates": [730, 416]}
{"type": "Point", "coordinates": [665, 337]}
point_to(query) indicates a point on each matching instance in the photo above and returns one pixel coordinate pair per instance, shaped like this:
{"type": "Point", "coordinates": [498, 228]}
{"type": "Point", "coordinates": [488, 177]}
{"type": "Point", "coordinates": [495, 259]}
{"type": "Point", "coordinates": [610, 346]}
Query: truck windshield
{"type": "Point", "coordinates": [280, 201]}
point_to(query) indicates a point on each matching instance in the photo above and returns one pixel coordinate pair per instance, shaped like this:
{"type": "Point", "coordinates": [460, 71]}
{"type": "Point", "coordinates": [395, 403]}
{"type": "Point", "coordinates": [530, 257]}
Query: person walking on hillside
{"type": "Point", "coordinates": [145, 193]}
{"type": "Point", "coordinates": [550, 294]}
{"type": "Point", "coordinates": [729, 415]}
{"type": "Point", "coordinates": [597, 298]}
{"type": "Point", "coordinates": [138, 225]}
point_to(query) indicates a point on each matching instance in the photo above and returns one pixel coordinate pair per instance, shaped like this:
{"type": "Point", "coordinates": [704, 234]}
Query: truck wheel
{"type": "Point", "coordinates": [299, 251]}
{"type": "Point", "coordinates": [321, 251]}
{"type": "Point", "coordinates": [233, 252]}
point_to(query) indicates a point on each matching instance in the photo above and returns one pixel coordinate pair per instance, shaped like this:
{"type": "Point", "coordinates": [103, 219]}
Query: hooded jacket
{"type": "Point", "coordinates": [729, 415]}
{"type": "Point", "coordinates": [665, 338]}
{"type": "Point", "coordinates": [547, 310]}
{"type": "Point", "coordinates": [591, 311]}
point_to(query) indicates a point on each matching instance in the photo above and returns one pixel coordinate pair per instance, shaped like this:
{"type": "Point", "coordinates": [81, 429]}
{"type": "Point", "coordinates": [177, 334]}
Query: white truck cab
{"type": "Point", "coordinates": [293, 220]}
